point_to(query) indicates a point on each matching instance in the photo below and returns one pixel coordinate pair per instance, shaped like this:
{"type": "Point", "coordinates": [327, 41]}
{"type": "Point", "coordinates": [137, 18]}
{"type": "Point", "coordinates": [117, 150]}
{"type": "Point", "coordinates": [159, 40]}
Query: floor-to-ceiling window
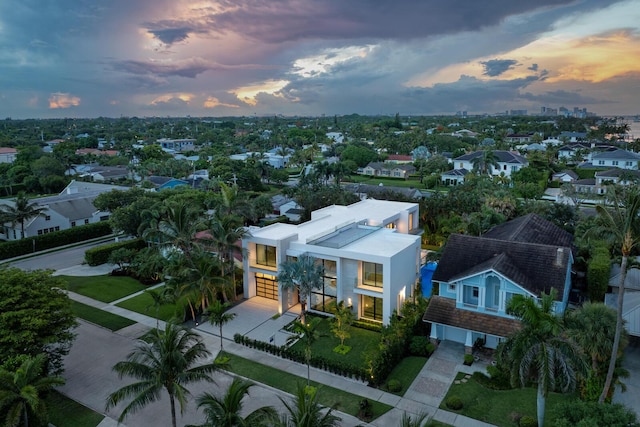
{"type": "Point", "coordinates": [266, 255]}
{"type": "Point", "coordinates": [372, 308]}
{"type": "Point", "coordinates": [372, 274]}
{"type": "Point", "coordinates": [322, 299]}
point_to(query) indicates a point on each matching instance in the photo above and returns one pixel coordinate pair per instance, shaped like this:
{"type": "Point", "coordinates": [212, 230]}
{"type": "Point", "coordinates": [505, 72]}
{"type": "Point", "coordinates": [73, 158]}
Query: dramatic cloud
{"type": "Point", "coordinates": [63, 100]}
{"type": "Point", "coordinates": [294, 57]}
{"type": "Point", "coordinates": [495, 67]}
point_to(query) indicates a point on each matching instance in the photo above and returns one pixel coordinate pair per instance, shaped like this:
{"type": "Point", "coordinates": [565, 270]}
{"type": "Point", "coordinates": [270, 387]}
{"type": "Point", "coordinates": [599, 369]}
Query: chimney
{"type": "Point", "coordinates": [559, 256]}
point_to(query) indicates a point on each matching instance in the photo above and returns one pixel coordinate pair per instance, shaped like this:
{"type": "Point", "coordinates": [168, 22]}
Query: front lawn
{"type": "Point", "coordinates": [327, 396]}
{"type": "Point", "coordinates": [361, 342]}
{"type": "Point", "coordinates": [100, 317]}
{"type": "Point", "coordinates": [103, 288]}
{"type": "Point", "coordinates": [143, 304]}
{"type": "Point", "coordinates": [499, 407]}
{"type": "Point", "coordinates": [65, 412]}
{"type": "Point", "coordinates": [406, 371]}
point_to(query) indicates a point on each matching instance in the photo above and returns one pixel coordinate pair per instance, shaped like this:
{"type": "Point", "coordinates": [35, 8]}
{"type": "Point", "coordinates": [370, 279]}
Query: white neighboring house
{"type": "Point", "coordinates": [8, 154]}
{"type": "Point", "coordinates": [370, 259]}
{"type": "Point", "coordinates": [336, 137]}
{"type": "Point", "coordinates": [615, 159]}
{"type": "Point", "coordinates": [507, 162]}
{"type": "Point", "coordinates": [72, 207]}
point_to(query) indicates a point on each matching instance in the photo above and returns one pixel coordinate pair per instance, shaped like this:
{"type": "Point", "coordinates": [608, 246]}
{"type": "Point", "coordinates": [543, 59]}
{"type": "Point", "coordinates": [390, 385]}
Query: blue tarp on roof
{"type": "Point", "coordinates": [426, 272]}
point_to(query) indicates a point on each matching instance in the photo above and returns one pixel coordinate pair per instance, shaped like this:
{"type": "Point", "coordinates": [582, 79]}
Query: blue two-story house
{"type": "Point", "coordinates": [477, 276]}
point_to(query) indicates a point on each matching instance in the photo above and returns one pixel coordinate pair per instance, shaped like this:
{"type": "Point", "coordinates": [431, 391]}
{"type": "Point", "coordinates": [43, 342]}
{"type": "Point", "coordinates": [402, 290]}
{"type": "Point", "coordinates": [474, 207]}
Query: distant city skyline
{"type": "Point", "coordinates": [76, 58]}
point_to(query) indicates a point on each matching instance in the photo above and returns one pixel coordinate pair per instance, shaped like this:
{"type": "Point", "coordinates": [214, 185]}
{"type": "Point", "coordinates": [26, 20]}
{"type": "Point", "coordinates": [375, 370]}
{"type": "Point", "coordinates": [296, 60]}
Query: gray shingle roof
{"type": "Point", "coordinates": [529, 251]}
{"type": "Point", "coordinates": [616, 155]}
{"type": "Point", "coordinates": [501, 155]}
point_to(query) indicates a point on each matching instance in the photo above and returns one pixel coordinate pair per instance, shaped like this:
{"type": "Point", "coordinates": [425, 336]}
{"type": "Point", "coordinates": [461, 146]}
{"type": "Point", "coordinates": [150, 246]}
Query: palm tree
{"type": "Point", "coordinates": [232, 201]}
{"type": "Point", "coordinates": [159, 298]}
{"type": "Point", "coordinates": [177, 228]}
{"type": "Point", "coordinates": [225, 233]}
{"type": "Point", "coordinates": [305, 411]}
{"type": "Point", "coordinates": [303, 275]}
{"type": "Point", "coordinates": [540, 352]}
{"type": "Point", "coordinates": [21, 393]}
{"type": "Point", "coordinates": [20, 212]}
{"type": "Point", "coordinates": [308, 334]}
{"type": "Point", "coordinates": [225, 411]}
{"type": "Point", "coordinates": [165, 359]}
{"type": "Point", "coordinates": [620, 227]}
{"type": "Point", "coordinates": [485, 162]}
{"type": "Point", "coordinates": [219, 317]}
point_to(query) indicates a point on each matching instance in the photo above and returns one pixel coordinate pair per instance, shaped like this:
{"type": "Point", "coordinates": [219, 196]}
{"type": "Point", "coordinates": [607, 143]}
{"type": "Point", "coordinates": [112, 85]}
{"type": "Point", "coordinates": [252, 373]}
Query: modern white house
{"type": "Point", "coordinates": [478, 275]}
{"type": "Point", "coordinates": [371, 260]}
{"type": "Point", "coordinates": [71, 208]}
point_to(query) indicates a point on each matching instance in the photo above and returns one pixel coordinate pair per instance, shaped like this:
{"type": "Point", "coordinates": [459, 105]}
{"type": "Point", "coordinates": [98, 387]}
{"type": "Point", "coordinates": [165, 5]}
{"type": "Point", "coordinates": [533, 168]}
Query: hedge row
{"type": "Point", "coordinates": [339, 368]}
{"type": "Point", "coordinates": [56, 239]}
{"type": "Point", "coordinates": [100, 254]}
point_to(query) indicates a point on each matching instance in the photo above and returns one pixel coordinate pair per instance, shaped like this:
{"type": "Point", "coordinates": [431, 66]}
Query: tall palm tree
{"type": "Point", "coordinates": [232, 201]}
{"type": "Point", "coordinates": [540, 352]}
{"type": "Point", "coordinates": [20, 212]}
{"type": "Point", "coordinates": [158, 299]}
{"type": "Point", "coordinates": [485, 162]}
{"type": "Point", "coordinates": [305, 411]}
{"type": "Point", "coordinates": [620, 226]}
{"type": "Point", "coordinates": [165, 360]}
{"type": "Point", "coordinates": [177, 228]}
{"type": "Point", "coordinates": [21, 393]}
{"type": "Point", "coordinates": [308, 334]}
{"type": "Point", "coordinates": [219, 317]}
{"type": "Point", "coordinates": [226, 411]}
{"type": "Point", "coordinates": [302, 274]}
{"type": "Point", "coordinates": [225, 232]}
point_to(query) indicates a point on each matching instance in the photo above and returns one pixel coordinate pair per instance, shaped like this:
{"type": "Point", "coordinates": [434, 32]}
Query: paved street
{"type": "Point", "coordinates": [56, 260]}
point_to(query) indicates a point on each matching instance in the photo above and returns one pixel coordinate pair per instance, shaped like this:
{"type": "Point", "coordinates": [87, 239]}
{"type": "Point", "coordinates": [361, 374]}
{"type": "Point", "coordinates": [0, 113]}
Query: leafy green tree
{"type": "Point", "coordinates": [226, 411]}
{"type": "Point", "coordinates": [20, 212]}
{"type": "Point", "coordinates": [540, 351]}
{"type": "Point", "coordinates": [305, 411]}
{"type": "Point", "coordinates": [22, 393]}
{"type": "Point", "coordinates": [35, 317]}
{"type": "Point", "coordinates": [308, 334]}
{"type": "Point", "coordinates": [164, 360]}
{"type": "Point", "coordinates": [218, 316]}
{"type": "Point", "coordinates": [576, 413]}
{"type": "Point", "coordinates": [619, 226]}
{"type": "Point", "coordinates": [303, 275]}
{"type": "Point", "coordinates": [341, 323]}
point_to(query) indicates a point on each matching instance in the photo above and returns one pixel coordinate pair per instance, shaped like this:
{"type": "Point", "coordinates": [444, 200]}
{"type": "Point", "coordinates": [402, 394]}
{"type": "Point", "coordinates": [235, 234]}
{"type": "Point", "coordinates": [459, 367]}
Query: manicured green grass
{"type": "Point", "coordinates": [499, 407]}
{"type": "Point", "coordinates": [100, 317]}
{"type": "Point", "coordinates": [361, 341]}
{"type": "Point", "coordinates": [103, 288]}
{"type": "Point", "coordinates": [389, 182]}
{"type": "Point", "coordinates": [406, 372]}
{"type": "Point", "coordinates": [143, 304]}
{"type": "Point", "coordinates": [327, 396]}
{"type": "Point", "coordinates": [65, 412]}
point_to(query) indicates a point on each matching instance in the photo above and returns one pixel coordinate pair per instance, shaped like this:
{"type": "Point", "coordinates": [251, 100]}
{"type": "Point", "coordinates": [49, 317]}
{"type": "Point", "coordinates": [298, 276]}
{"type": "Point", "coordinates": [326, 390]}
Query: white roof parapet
{"type": "Point", "coordinates": [330, 230]}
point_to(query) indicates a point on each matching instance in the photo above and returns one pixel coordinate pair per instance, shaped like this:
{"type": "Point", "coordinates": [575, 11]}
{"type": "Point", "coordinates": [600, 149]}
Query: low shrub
{"type": "Point", "coordinates": [431, 347]}
{"type": "Point", "coordinates": [468, 359]}
{"type": "Point", "coordinates": [394, 386]}
{"type": "Point", "coordinates": [454, 402]}
{"type": "Point", "coordinates": [527, 421]}
{"type": "Point", "coordinates": [342, 349]}
{"type": "Point", "coordinates": [418, 346]}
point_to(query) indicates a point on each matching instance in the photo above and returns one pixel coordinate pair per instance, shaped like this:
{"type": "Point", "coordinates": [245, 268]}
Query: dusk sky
{"type": "Point", "coordinates": [89, 58]}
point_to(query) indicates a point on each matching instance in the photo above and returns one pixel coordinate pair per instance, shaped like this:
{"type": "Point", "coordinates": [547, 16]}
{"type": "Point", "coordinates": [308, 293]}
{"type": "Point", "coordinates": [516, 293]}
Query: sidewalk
{"type": "Point", "coordinates": [424, 395]}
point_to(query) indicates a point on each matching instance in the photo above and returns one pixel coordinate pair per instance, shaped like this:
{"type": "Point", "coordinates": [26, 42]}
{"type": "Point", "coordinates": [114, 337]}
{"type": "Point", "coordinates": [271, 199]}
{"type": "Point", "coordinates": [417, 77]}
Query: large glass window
{"type": "Point", "coordinates": [266, 255]}
{"type": "Point", "coordinates": [470, 295]}
{"type": "Point", "coordinates": [322, 298]}
{"type": "Point", "coordinates": [372, 274]}
{"type": "Point", "coordinates": [372, 308]}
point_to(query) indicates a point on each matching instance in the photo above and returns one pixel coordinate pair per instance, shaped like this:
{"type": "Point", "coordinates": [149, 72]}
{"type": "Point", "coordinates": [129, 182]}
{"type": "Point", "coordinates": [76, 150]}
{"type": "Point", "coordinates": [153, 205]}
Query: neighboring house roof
{"type": "Point", "coordinates": [569, 173]}
{"type": "Point", "coordinates": [586, 181]}
{"type": "Point", "coordinates": [630, 310]}
{"type": "Point", "coordinates": [616, 155]}
{"type": "Point", "coordinates": [373, 190]}
{"type": "Point", "coordinates": [531, 228]}
{"type": "Point", "coordinates": [616, 173]}
{"type": "Point", "coordinates": [443, 310]}
{"type": "Point", "coordinates": [631, 282]}
{"type": "Point", "coordinates": [399, 157]}
{"type": "Point", "coordinates": [530, 251]}
{"type": "Point", "coordinates": [456, 172]}
{"type": "Point", "coordinates": [502, 156]}
{"type": "Point", "coordinates": [74, 209]}
{"type": "Point", "coordinates": [8, 150]}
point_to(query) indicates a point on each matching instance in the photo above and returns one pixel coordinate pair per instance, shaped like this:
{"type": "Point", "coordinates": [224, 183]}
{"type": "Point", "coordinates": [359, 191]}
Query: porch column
{"type": "Point", "coordinates": [468, 343]}
{"type": "Point", "coordinates": [434, 334]}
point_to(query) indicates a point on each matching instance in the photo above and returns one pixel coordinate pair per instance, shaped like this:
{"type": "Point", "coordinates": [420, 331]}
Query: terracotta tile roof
{"type": "Point", "coordinates": [443, 311]}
